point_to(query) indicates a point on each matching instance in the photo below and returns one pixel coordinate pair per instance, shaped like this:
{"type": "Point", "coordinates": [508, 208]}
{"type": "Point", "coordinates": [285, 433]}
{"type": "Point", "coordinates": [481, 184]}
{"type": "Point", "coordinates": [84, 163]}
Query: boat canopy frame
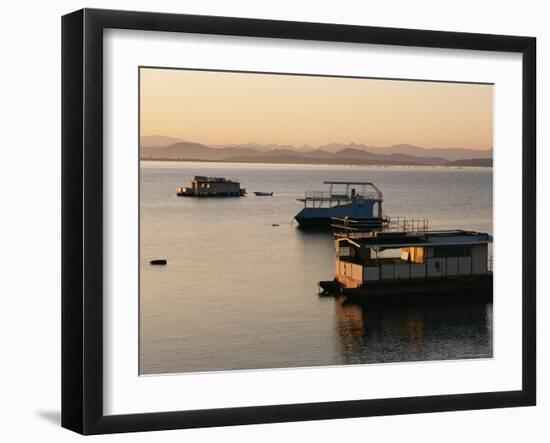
{"type": "Point", "coordinates": [321, 198]}
{"type": "Point", "coordinates": [364, 186]}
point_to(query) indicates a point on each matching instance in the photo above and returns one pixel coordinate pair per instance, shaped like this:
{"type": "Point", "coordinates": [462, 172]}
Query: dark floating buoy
{"type": "Point", "coordinates": [158, 262]}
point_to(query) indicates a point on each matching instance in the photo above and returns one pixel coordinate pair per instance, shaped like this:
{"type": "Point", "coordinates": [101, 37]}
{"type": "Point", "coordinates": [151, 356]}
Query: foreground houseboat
{"type": "Point", "coordinates": [362, 200]}
{"type": "Point", "coordinates": [408, 261]}
{"type": "Point", "coordinates": [211, 187]}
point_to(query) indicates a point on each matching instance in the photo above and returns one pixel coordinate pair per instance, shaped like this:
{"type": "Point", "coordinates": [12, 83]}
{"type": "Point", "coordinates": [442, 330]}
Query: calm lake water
{"type": "Point", "coordinates": [239, 293]}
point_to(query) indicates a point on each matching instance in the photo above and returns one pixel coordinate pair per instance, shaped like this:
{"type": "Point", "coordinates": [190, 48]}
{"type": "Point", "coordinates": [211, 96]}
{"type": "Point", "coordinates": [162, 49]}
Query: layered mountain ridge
{"type": "Point", "coordinates": [170, 148]}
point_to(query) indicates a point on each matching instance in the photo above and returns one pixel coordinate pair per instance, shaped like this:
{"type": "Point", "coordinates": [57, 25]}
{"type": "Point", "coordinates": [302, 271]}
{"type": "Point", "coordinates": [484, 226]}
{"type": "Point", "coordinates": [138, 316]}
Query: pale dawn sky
{"type": "Point", "coordinates": [227, 108]}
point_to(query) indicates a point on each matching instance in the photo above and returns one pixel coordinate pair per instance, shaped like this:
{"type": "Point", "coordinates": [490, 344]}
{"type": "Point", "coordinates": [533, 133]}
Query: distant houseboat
{"type": "Point", "coordinates": [343, 199]}
{"type": "Point", "coordinates": [211, 187]}
{"type": "Point", "coordinates": [409, 261]}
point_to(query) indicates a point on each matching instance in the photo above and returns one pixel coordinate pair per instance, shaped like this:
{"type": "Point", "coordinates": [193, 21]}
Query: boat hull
{"type": "Point", "coordinates": [325, 223]}
{"type": "Point", "coordinates": [184, 194]}
{"type": "Point", "coordinates": [474, 287]}
{"type": "Point", "coordinates": [321, 218]}
{"type": "Point", "coordinates": [317, 223]}
{"type": "Point", "coordinates": [188, 192]}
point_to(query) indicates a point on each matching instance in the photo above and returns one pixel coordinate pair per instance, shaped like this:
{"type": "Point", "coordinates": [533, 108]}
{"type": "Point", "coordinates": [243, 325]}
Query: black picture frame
{"type": "Point", "coordinates": [82, 218]}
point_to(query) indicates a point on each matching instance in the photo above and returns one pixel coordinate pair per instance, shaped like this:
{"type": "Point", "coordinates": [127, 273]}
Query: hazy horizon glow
{"type": "Point", "coordinates": [239, 108]}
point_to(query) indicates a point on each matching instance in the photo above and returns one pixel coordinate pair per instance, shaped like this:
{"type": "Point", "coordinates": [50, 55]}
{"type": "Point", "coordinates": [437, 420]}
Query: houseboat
{"type": "Point", "coordinates": [359, 200]}
{"type": "Point", "coordinates": [406, 260]}
{"type": "Point", "coordinates": [211, 187]}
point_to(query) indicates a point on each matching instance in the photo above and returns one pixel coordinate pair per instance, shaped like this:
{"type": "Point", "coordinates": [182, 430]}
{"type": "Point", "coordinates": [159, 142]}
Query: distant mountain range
{"type": "Point", "coordinates": [169, 148]}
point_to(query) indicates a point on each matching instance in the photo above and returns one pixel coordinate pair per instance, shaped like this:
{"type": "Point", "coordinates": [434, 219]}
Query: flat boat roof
{"type": "Point", "coordinates": [332, 182]}
{"type": "Point", "coordinates": [430, 238]}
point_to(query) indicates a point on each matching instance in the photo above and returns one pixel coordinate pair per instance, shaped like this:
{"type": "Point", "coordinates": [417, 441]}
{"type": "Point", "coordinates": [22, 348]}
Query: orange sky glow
{"type": "Point", "coordinates": [226, 108]}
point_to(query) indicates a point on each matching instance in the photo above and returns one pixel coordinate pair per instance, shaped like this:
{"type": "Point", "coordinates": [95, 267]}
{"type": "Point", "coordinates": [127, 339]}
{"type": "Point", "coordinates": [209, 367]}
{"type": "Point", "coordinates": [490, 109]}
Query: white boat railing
{"type": "Point", "coordinates": [359, 228]}
{"type": "Point", "coordinates": [407, 225]}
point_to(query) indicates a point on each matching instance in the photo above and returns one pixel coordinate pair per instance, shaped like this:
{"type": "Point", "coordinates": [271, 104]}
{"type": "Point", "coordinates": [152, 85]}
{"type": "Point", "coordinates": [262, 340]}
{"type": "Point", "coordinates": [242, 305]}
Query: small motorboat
{"type": "Point", "coordinates": [263, 194]}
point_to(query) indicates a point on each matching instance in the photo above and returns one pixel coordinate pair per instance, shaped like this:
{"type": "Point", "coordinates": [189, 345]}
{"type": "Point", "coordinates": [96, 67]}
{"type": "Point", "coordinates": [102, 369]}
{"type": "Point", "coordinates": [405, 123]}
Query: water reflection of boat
{"type": "Point", "coordinates": [405, 332]}
{"type": "Point", "coordinates": [343, 199]}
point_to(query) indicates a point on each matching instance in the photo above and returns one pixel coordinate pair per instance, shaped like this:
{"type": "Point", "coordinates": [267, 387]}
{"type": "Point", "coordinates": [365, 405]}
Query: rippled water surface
{"type": "Point", "coordinates": [240, 293]}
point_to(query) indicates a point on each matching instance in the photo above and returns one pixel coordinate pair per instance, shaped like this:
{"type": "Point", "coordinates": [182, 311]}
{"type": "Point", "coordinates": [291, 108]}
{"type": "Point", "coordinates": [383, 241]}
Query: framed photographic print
{"type": "Point", "coordinates": [268, 221]}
